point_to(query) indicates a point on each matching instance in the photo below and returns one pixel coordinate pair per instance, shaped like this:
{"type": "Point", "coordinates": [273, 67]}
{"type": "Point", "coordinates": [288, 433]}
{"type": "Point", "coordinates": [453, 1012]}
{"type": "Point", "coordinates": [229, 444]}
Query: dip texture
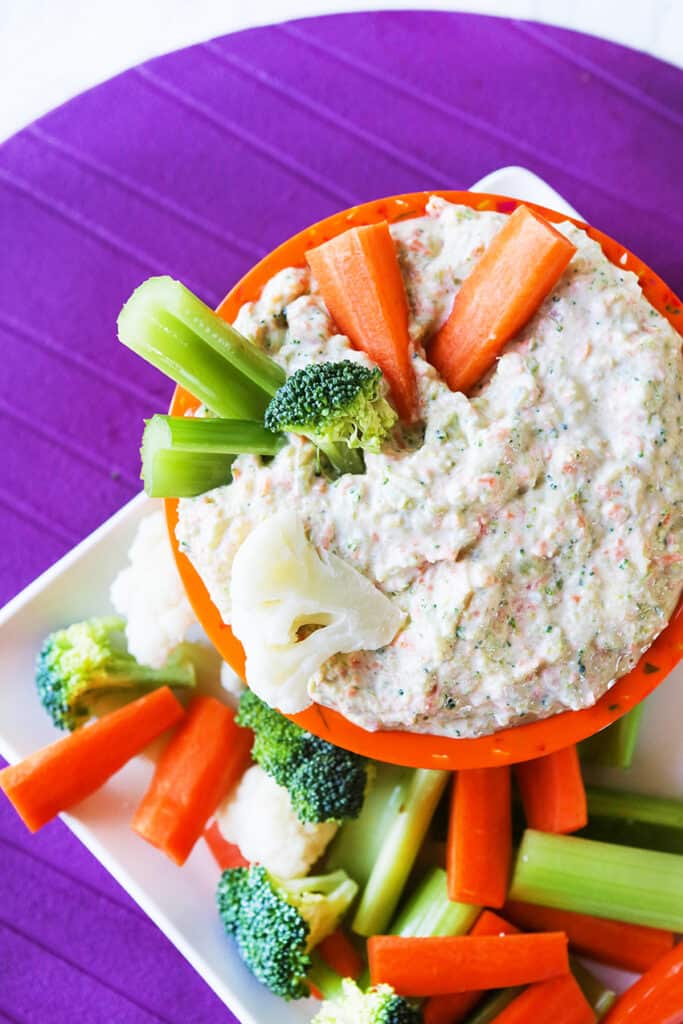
{"type": "Point", "coordinates": [531, 534]}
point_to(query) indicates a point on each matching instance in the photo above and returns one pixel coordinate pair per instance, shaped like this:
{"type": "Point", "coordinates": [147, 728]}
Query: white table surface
{"type": "Point", "coordinates": [51, 50]}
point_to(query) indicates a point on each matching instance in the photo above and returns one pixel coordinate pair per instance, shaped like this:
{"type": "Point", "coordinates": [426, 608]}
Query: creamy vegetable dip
{"type": "Point", "coordinates": [532, 537]}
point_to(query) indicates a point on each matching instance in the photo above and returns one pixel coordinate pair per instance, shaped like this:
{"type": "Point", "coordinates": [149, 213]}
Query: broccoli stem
{"type": "Point", "coordinates": [429, 912]}
{"type": "Point", "coordinates": [125, 671]}
{"type": "Point", "coordinates": [176, 332]}
{"type": "Point", "coordinates": [356, 846]}
{"type": "Point", "coordinates": [183, 456]}
{"type": "Point", "coordinates": [618, 882]}
{"type": "Point", "coordinates": [494, 1006]}
{"type": "Point", "coordinates": [398, 850]}
{"type": "Point", "coordinates": [600, 997]}
{"type": "Point", "coordinates": [634, 820]}
{"type": "Point", "coordinates": [342, 458]}
{"type": "Point", "coordinates": [615, 745]}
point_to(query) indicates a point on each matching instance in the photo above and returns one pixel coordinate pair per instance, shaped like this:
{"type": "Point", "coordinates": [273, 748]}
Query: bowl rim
{"type": "Point", "coordinates": [512, 744]}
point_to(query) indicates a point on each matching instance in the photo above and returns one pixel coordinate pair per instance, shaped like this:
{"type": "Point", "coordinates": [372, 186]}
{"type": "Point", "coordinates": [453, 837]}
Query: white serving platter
{"type": "Point", "coordinates": [181, 901]}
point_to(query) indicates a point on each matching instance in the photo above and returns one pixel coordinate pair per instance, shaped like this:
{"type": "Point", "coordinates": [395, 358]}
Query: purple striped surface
{"type": "Point", "coordinates": [195, 165]}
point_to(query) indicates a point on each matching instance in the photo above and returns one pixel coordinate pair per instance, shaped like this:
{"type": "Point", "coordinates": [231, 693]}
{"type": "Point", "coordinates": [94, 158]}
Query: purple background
{"type": "Point", "coordinates": [195, 165]}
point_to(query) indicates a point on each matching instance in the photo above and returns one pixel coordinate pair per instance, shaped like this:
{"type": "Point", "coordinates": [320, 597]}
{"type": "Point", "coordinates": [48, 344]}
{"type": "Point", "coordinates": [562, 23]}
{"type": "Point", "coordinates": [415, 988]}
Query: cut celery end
{"type": "Point", "coordinates": [171, 474]}
{"type": "Point", "coordinates": [494, 1005]}
{"type": "Point", "coordinates": [618, 882]}
{"type": "Point", "coordinates": [429, 912]}
{"type": "Point", "coordinates": [212, 436]}
{"type": "Point", "coordinates": [615, 745]}
{"type": "Point", "coordinates": [173, 330]}
{"type": "Point", "coordinates": [398, 851]}
{"type": "Point", "coordinates": [654, 823]}
{"type": "Point", "coordinates": [600, 997]}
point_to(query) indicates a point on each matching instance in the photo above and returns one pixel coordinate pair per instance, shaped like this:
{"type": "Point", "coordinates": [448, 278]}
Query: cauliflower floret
{"type": "Point", "coordinates": [258, 817]}
{"type": "Point", "coordinates": [150, 594]}
{"type": "Point", "coordinates": [292, 609]}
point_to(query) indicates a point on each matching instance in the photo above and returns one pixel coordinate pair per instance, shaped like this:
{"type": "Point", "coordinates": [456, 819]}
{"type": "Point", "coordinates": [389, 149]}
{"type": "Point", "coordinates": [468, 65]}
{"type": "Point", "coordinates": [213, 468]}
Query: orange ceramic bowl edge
{"type": "Point", "coordinates": [508, 746]}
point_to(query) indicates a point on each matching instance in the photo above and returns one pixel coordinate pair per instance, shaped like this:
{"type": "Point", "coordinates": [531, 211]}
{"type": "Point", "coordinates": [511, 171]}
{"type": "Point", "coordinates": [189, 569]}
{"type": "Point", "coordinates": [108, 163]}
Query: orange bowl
{"type": "Point", "coordinates": [522, 742]}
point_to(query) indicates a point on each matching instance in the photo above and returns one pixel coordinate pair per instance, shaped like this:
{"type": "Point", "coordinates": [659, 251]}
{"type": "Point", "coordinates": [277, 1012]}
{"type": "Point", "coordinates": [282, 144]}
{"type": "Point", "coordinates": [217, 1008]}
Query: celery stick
{"type": "Point", "coordinates": [634, 820]}
{"type": "Point", "coordinates": [398, 851]}
{"type": "Point", "coordinates": [176, 332]}
{"type": "Point", "coordinates": [323, 977]}
{"type": "Point", "coordinates": [598, 995]}
{"type": "Point", "coordinates": [183, 455]}
{"type": "Point", "coordinates": [428, 911]}
{"type": "Point", "coordinates": [357, 844]}
{"type": "Point", "coordinates": [618, 882]}
{"type": "Point", "coordinates": [494, 1006]}
{"type": "Point", "coordinates": [615, 745]}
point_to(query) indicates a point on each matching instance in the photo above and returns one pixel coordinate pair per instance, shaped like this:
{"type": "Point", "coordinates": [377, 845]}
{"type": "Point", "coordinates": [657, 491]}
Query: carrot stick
{"type": "Point", "coordinates": [552, 792]}
{"type": "Point", "coordinates": [439, 966]}
{"type": "Point", "coordinates": [479, 846]}
{"type": "Point", "coordinates": [227, 855]}
{"type": "Point", "coordinates": [656, 998]}
{"type": "Point", "coordinates": [61, 775]}
{"type": "Point", "coordinates": [204, 759]}
{"type": "Point", "coordinates": [453, 1008]}
{"type": "Point", "coordinates": [558, 1001]}
{"type": "Point", "coordinates": [521, 266]}
{"type": "Point", "coordinates": [633, 947]}
{"type": "Point", "coordinates": [341, 955]}
{"type": "Point", "coordinates": [360, 280]}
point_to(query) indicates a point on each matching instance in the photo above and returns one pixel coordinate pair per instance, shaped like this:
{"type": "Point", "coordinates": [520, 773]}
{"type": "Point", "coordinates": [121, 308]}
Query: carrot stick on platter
{"type": "Point", "coordinates": [454, 1008]}
{"type": "Point", "coordinates": [227, 855]}
{"type": "Point", "coordinates": [479, 848]}
{"type": "Point", "coordinates": [552, 792]}
{"type": "Point", "coordinates": [521, 266]}
{"type": "Point", "coordinates": [55, 778]}
{"type": "Point", "coordinates": [557, 1001]}
{"type": "Point", "coordinates": [440, 966]}
{"type": "Point", "coordinates": [202, 762]}
{"type": "Point", "coordinates": [656, 998]}
{"type": "Point", "coordinates": [360, 280]}
{"type": "Point", "coordinates": [341, 955]}
{"type": "Point", "coordinates": [633, 947]}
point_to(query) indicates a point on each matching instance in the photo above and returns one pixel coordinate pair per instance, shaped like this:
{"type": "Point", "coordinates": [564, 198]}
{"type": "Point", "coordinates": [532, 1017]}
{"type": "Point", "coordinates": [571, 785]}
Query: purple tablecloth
{"type": "Point", "coordinates": [195, 165]}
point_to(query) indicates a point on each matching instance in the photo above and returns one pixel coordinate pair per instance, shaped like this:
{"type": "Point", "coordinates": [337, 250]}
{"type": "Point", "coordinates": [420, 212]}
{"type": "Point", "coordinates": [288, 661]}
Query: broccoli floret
{"type": "Point", "coordinates": [338, 406]}
{"type": "Point", "coordinates": [90, 659]}
{"type": "Point", "coordinates": [379, 1005]}
{"type": "Point", "coordinates": [325, 783]}
{"type": "Point", "coordinates": [277, 922]}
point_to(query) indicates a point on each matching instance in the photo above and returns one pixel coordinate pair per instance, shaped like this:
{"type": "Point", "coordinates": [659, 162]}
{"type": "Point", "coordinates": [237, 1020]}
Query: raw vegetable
{"type": "Point", "coordinates": [55, 778]}
{"type": "Point", "coordinates": [277, 922]}
{"type": "Point", "coordinates": [634, 819]}
{"type": "Point", "coordinates": [453, 1008]}
{"type": "Point", "coordinates": [340, 954]}
{"type": "Point", "coordinates": [340, 407]}
{"type": "Point", "coordinates": [360, 280]}
{"type": "Point", "coordinates": [90, 659]}
{"type": "Point", "coordinates": [618, 882]}
{"type": "Point", "coordinates": [429, 911]}
{"type": "Point", "coordinates": [227, 855]}
{"type": "Point", "coordinates": [202, 762]}
{"type": "Point", "coordinates": [556, 1001]}
{"type": "Point", "coordinates": [600, 998]}
{"type": "Point", "coordinates": [615, 745]}
{"type": "Point", "coordinates": [428, 966]}
{"type": "Point", "coordinates": [480, 837]}
{"type": "Point", "coordinates": [494, 1006]}
{"type": "Point", "coordinates": [324, 782]}
{"type": "Point", "coordinates": [657, 997]}
{"type": "Point", "coordinates": [421, 793]}
{"type": "Point", "coordinates": [348, 1004]}
{"type": "Point", "coordinates": [632, 947]}
{"type": "Point", "coordinates": [176, 332]}
{"type": "Point", "coordinates": [552, 792]}
{"type": "Point", "coordinates": [519, 269]}
{"type": "Point", "coordinates": [293, 608]}
{"type": "Point", "coordinates": [184, 455]}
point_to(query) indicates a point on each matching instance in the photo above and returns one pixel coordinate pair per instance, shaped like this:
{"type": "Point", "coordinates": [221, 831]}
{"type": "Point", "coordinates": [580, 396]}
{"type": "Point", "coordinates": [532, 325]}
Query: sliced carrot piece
{"type": "Point", "coordinates": [552, 792]}
{"type": "Point", "coordinates": [479, 846]}
{"type": "Point", "coordinates": [227, 855]}
{"type": "Point", "coordinates": [656, 998]}
{"type": "Point", "coordinates": [341, 955]}
{"type": "Point", "coordinates": [558, 1001]}
{"type": "Point", "coordinates": [204, 759]}
{"type": "Point", "coordinates": [454, 1008]}
{"type": "Point", "coordinates": [439, 966]}
{"type": "Point", "coordinates": [521, 266]}
{"type": "Point", "coordinates": [360, 280]}
{"type": "Point", "coordinates": [55, 778]}
{"type": "Point", "coordinates": [633, 947]}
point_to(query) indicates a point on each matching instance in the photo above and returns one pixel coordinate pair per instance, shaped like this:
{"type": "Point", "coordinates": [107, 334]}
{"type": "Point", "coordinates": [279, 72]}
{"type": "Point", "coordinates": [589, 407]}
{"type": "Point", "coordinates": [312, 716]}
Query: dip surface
{"type": "Point", "coordinates": [532, 536]}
